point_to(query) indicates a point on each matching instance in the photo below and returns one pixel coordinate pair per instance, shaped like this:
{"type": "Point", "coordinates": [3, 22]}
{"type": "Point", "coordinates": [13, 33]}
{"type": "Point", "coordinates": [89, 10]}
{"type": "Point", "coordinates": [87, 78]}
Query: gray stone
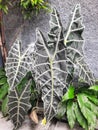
{"type": "Point", "coordinates": [64, 126]}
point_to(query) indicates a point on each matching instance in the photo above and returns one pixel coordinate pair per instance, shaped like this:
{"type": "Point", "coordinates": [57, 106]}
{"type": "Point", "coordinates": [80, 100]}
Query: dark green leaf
{"type": "Point", "coordinates": [91, 92]}
{"type": "Point", "coordinates": [4, 107]}
{"type": "Point", "coordinates": [88, 114]}
{"type": "Point", "coordinates": [90, 104]}
{"type": "Point", "coordinates": [1, 69]}
{"type": "Point", "coordinates": [80, 117]}
{"type": "Point", "coordinates": [95, 87]}
{"type": "Point", "coordinates": [17, 64]}
{"type": "Point", "coordinates": [61, 110]}
{"type": "Point", "coordinates": [2, 74]}
{"type": "Point", "coordinates": [93, 99]}
{"type": "Point", "coordinates": [74, 42]}
{"type": "Point", "coordinates": [71, 113]}
{"type": "Point", "coordinates": [4, 91]}
{"type": "Point", "coordinates": [69, 94]}
{"type": "Point", "coordinates": [3, 80]}
{"type": "Point", "coordinates": [50, 66]}
{"type": "Point", "coordinates": [23, 82]}
{"type": "Point", "coordinates": [18, 104]}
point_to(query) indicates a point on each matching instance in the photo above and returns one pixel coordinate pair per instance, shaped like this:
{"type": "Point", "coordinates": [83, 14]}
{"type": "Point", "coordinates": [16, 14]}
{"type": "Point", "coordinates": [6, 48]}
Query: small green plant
{"type": "Point", "coordinates": [55, 64]}
{"type": "Point", "coordinates": [80, 105]}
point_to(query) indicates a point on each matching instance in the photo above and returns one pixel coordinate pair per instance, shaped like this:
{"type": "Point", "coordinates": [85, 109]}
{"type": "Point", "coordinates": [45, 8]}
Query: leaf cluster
{"type": "Point", "coordinates": [81, 107]}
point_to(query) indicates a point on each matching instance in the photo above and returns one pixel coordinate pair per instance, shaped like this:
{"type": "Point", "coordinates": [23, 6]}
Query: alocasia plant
{"type": "Point", "coordinates": [54, 62]}
{"type": "Point", "coordinates": [50, 65]}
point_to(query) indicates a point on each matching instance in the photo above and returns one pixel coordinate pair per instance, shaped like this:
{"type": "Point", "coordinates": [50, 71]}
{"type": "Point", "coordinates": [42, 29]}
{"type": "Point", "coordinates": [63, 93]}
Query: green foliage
{"type": "Point", "coordinates": [83, 107]}
{"type": "Point", "coordinates": [17, 64]}
{"type": "Point", "coordinates": [50, 67]}
{"type": "Point", "coordinates": [18, 104]}
{"type": "Point", "coordinates": [70, 113]}
{"type": "Point", "coordinates": [3, 91]}
{"type": "Point", "coordinates": [73, 41]}
{"type": "Point", "coordinates": [59, 61]}
{"type": "Point", "coordinates": [69, 94]}
{"type": "Point", "coordinates": [34, 94]}
{"type": "Point", "coordinates": [28, 7]}
{"type": "Point", "coordinates": [55, 64]}
{"type": "Point", "coordinates": [4, 107]}
{"type": "Point", "coordinates": [20, 99]}
{"type": "Point", "coordinates": [4, 5]}
{"type": "Point", "coordinates": [61, 110]}
{"type": "Point", "coordinates": [79, 116]}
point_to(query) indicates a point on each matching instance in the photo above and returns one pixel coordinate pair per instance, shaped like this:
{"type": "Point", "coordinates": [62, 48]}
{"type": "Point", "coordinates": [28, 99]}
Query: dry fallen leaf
{"type": "Point", "coordinates": [34, 116]}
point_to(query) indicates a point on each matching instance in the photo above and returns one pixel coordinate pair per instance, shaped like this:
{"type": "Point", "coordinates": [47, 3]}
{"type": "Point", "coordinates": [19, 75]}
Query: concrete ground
{"type": "Point", "coordinates": [28, 125]}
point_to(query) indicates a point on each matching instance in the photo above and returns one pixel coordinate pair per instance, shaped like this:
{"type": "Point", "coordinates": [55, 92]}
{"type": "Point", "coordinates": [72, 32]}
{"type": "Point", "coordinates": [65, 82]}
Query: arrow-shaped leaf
{"type": "Point", "coordinates": [18, 104]}
{"type": "Point", "coordinates": [74, 42]}
{"type": "Point", "coordinates": [17, 64]}
{"type": "Point", "coordinates": [73, 35]}
{"type": "Point", "coordinates": [50, 66]}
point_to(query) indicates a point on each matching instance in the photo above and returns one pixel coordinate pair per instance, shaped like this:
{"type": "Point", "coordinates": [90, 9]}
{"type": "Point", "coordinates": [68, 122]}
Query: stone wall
{"type": "Point", "coordinates": [15, 26]}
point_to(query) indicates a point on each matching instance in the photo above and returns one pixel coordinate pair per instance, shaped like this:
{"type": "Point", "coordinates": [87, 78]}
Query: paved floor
{"type": "Point", "coordinates": [27, 125]}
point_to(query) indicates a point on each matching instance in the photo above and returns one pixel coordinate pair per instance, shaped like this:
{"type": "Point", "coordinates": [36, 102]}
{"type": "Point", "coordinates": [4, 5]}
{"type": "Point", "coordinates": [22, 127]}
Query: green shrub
{"type": "Point", "coordinates": [80, 106]}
